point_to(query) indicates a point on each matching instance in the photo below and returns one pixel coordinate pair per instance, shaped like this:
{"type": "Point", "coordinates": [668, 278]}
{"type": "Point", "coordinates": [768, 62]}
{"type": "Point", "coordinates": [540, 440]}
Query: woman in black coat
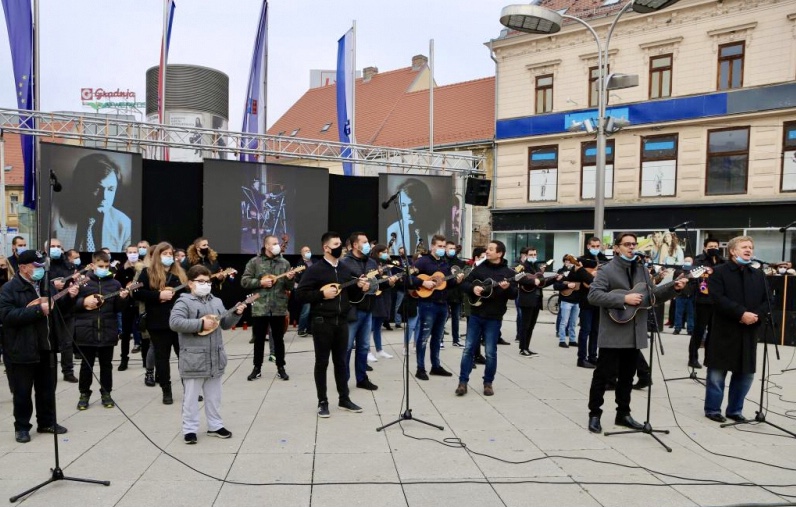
{"type": "Point", "coordinates": [740, 303]}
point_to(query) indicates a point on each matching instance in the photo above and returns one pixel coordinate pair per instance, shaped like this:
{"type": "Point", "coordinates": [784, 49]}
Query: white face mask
{"type": "Point", "coordinates": [480, 261]}
{"type": "Point", "coordinates": [132, 257]}
{"type": "Point", "coordinates": [201, 289]}
{"type": "Point", "coordinates": [276, 249]}
{"type": "Point", "coordinates": [782, 271]}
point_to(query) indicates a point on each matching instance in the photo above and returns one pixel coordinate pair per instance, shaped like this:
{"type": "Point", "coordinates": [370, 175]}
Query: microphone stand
{"type": "Point", "coordinates": [760, 414]}
{"type": "Point", "coordinates": [647, 428]}
{"type": "Point", "coordinates": [407, 413]}
{"type": "Point", "coordinates": [57, 474]}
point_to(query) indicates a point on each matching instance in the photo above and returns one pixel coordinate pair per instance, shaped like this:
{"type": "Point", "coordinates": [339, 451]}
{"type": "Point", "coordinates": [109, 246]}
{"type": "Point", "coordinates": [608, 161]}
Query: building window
{"type": "Point", "coordinates": [659, 166]}
{"type": "Point", "coordinates": [544, 94]}
{"type": "Point", "coordinates": [543, 173]}
{"type": "Point", "coordinates": [296, 131]}
{"type": "Point", "coordinates": [789, 157]}
{"type": "Point", "coordinates": [588, 170]}
{"type": "Point", "coordinates": [730, 73]}
{"type": "Point", "coordinates": [326, 127]}
{"type": "Point", "coordinates": [660, 76]}
{"type": "Point", "coordinates": [13, 204]}
{"type": "Point", "coordinates": [594, 92]}
{"type": "Point", "coordinates": [728, 161]}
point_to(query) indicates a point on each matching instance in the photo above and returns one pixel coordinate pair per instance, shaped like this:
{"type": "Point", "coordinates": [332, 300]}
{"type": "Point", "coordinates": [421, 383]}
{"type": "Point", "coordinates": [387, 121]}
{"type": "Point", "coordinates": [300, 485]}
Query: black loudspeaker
{"type": "Point", "coordinates": [477, 191]}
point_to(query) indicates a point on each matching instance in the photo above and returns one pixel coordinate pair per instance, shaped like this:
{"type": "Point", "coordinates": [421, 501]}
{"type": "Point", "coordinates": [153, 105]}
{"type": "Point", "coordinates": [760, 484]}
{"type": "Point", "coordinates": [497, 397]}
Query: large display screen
{"type": "Point", "coordinates": [99, 205]}
{"type": "Point", "coordinates": [426, 207]}
{"type": "Point", "coordinates": [245, 202]}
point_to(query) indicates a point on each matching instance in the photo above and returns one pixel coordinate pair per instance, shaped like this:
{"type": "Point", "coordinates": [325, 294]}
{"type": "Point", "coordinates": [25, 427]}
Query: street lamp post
{"type": "Point", "coordinates": [539, 20]}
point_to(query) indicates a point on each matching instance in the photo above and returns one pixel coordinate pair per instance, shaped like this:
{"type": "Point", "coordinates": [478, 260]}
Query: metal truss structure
{"type": "Point", "coordinates": [150, 139]}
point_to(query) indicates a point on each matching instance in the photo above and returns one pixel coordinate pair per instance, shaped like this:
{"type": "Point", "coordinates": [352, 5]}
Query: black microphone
{"type": "Point", "coordinates": [678, 226]}
{"type": "Point", "coordinates": [783, 229]}
{"type": "Point", "coordinates": [54, 182]}
{"type": "Point", "coordinates": [386, 204]}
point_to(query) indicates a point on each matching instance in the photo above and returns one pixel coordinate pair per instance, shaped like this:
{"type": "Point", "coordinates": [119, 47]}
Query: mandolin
{"type": "Point", "coordinates": [101, 298]}
{"type": "Point", "coordinates": [628, 313]}
{"type": "Point", "coordinates": [221, 274]}
{"type": "Point", "coordinates": [340, 286]}
{"type": "Point", "coordinates": [293, 271]}
{"type": "Point", "coordinates": [218, 318]}
{"type": "Point", "coordinates": [79, 280]}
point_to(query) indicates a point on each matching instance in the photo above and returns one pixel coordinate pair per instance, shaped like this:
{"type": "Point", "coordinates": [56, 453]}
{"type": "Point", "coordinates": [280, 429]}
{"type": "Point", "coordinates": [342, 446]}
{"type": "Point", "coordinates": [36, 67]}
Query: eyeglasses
{"type": "Point", "coordinates": [629, 245]}
{"type": "Point", "coordinates": [201, 282]}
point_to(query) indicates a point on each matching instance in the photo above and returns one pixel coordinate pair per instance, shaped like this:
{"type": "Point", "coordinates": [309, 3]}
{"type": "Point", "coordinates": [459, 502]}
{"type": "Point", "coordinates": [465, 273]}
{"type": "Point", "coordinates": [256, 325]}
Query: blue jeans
{"type": "Point", "coordinates": [684, 306]}
{"type": "Point", "coordinates": [431, 320]}
{"type": "Point", "coordinates": [490, 329]}
{"type": "Point", "coordinates": [740, 383]}
{"type": "Point", "coordinates": [587, 338]}
{"type": "Point", "coordinates": [456, 313]}
{"type": "Point", "coordinates": [304, 318]}
{"type": "Point", "coordinates": [376, 327]}
{"type": "Point", "coordinates": [399, 297]}
{"type": "Point", "coordinates": [568, 313]}
{"type": "Point", "coordinates": [359, 335]}
{"type": "Point", "coordinates": [561, 337]}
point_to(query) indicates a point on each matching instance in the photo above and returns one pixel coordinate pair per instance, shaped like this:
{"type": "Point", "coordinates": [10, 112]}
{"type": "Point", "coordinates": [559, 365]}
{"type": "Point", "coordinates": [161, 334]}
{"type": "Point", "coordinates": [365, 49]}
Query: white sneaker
{"type": "Point", "coordinates": [384, 354]}
{"type": "Point", "coordinates": [371, 358]}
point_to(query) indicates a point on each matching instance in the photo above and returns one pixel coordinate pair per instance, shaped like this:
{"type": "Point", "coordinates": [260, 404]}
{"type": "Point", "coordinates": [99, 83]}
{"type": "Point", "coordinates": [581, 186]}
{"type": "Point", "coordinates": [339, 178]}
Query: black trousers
{"type": "Point", "coordinates": [527, 323]}
{"type": "Point", "coordinates": [65, 345]}
{"type": "Point", "coordinates": [611, 362]}
{"type": "Point", "coordinates": [643, 367]}
{"type": "Point", "coordinates": [164, 341]}
{"type": "Point", "coordinates": [105, 356]}
{"type": "Point", "coordinates": [129, 314]}
{"type": "Point", "coordinates": [702, 318]}
{"type": "Point", "coordinates": [330, 337]}
{"type": "Point", "coordinates": [23, 379]}
{"type": "Point", "coordinates": [260, 327]}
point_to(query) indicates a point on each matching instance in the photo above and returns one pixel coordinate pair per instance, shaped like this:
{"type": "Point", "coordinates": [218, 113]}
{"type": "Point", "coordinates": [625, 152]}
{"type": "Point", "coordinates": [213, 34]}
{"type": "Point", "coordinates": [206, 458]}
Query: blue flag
{"type": "Point", "coordinates": [19, 21]}
{"type": "Point", "coordinates": [345, 94]}
{"type": "Point", "coordinates": [254, 112]}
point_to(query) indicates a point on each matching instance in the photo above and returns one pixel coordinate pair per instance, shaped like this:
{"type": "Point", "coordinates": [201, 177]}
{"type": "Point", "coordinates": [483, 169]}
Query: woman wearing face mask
{"type": "Point", "coordinates": [96, 329]}
{"type": "Point", "coordinates": [199, 253]}
{"type": "Point", "coordinates": [380, 308]}
{"type": "Point", "coordinates": [159, 280]}
{"type": "Point", "coordinates": [304, 312]}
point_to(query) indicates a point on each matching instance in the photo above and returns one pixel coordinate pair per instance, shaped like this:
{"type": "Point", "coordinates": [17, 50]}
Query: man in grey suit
{"type": "Point", "coordinates": [90, 221]}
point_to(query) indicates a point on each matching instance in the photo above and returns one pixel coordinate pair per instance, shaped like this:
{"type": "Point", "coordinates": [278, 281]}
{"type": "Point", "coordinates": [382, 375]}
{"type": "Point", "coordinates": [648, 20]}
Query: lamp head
{"type": "Point", "coordinates": [530, 18]}
{"type": "Point", "coordinates": [647, 6]}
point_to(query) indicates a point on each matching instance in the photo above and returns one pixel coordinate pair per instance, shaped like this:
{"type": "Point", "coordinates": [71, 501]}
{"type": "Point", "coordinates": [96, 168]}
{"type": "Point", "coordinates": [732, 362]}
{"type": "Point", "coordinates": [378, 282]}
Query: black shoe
{"type": "Point", "coordinates": [168, 398]}
{"type": "Point", "coordinates": [676, 331]}
{"type": "Point", "coordinates": [367, 384]}
{"type": "Point", "coordinates": [737, 417]}
{"type": "Point", "coordinates": [525, 353]}
{"type": "Point", "coordinates": [302, 332]}
{"type": "Point", "coordinates": [220, 433]}
{"type": "Point", "coordinates": [695, 365]}
{"type": "Point", "coordinates": [281, 373]}
{"type": "Point", "coordinates": [349, 405]}
{"type": "Point", "coordinates": [501, 341]}
{"type": "Point", "coordinates": [255, 374]}
{"type": "Point", "coordinates": [585, 364]}
{"type": "Point", "coordinates": [440, 371]}
{"type": "Point", "coordinates": [398, 326]}
{"type": "Point", "coordinates": [594, 425]}
{"type": "Point", "coordinates": [123, 364]}
{"type": "Point", "coordinates": [642, 383]}
{"type": "Point", "coordinates": [573, 344]}
{"type": "Point", "coordinates": [136, 349]}
{"type": "Point", "coordinates": [716, 418]}
{"type": "Point", "coordinates": [479, 359]}
{"type": "Point", "coordinates": [22, 436]}
{"type": "Point", "coordinates": [70, 377]}
{"type": "Point", "coordinates": [628, 422]}
{"type": "Point", "coordinates": [368, 368]}
{"type": "Point", "coordinates": [421, 374]}
{"type": "Point", "coordinates": [323, 409]}
{"type": "Point", "coordinates": [55, 428]}
{"type": "Point", "coordinates": [190, 438]}
{"type": "Point", "coordinates": [387, 327]}
{"type": "Point", "coordinates": [149, 378]}
{"type": "Point", "coordinates": [563, 345]}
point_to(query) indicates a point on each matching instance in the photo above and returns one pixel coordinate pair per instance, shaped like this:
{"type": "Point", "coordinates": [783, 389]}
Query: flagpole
{"type": "Point", "coordinates": [3, 216]}
{"type": "Point", "coordinates": [431, 95]}
{"type": "Point", "coordinates": [264, 123]}
{"type": "Point", "coordinates": [162, 87]}
{"type": "Point", "coordinates": [353, 138]}
{"type": "Point", "coordinates": [36, 145]}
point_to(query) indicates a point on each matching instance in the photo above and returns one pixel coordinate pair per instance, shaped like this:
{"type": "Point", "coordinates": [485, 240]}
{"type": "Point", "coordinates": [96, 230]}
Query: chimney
{"type": "Point", "coordinates": [418, 61]}
{"type": "Point", "coordinates": [369, 72]}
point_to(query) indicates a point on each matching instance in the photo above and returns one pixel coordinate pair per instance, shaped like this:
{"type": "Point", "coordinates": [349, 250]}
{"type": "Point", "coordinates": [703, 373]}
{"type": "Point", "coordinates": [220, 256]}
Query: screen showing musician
{"type": "Point", "coordinates": [99, 206]}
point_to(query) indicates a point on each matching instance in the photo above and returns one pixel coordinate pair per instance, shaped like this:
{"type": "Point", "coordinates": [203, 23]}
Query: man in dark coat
{"type": "Point", "coordinates": [740, 302]}
{"type": "Point", "coordinates": [592, 259]}
{"type": "Point", "coordinates": [709, 258]}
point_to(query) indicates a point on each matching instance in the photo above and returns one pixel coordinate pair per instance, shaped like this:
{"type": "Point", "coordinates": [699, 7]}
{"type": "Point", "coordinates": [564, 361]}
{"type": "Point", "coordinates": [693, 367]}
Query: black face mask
{"type": "Point", "coordinates": [713, 252]}
{"type": "Point", "coordinates": [204, 251]}
{"type": "Point", "coordinates": [337, 252]}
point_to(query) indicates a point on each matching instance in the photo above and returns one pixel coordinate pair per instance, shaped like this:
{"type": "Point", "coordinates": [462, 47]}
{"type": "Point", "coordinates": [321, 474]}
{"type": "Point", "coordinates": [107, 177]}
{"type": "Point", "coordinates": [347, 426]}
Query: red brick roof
{"type": "Point", "coordinates": [13, 158]}
{"type": "Point", "coordinates": [388, 114]}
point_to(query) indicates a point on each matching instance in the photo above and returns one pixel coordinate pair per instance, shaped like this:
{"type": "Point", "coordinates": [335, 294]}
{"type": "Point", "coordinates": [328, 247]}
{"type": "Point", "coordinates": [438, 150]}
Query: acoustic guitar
{"type": "Point", "coordinates": [101, 298]}
{"type": "Point", "coordinates": [541, 275]}
{"type": "Point", "coordinates": [625, 315]}
{"type": "Point", "coordinates": [575, 262]}
{"type": "Point", "coordinates": [349, 283]}
{"type": "Point", "coordinates": [489, 283]}
{"type": "Point", "coordinates": [79, 281]}
{"type": "Point", "coordinates": [385, 279]}
{"type": "Point", "coordinates": [440, 279]}
{"type": "Point", "coordinates": [216, 319]}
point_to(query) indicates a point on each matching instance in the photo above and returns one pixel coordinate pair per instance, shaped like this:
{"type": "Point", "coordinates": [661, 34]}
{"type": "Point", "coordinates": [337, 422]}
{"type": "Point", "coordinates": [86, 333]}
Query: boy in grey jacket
{"type": "Point", "coordinates": [202, 358]}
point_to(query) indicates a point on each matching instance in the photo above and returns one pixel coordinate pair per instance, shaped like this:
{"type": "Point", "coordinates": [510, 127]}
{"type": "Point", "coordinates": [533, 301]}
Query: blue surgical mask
{"type": "Point", "coordinates": [56, 252]}
{"type": "Point", "coordinates": [687, 267]}
{"type": "Point", "coordinates": [141, 252]}
{"type": "Point", "coordinates": [742, 261]}
{"type": "Point", "coordinates": [38, 274]}
{"type": "Point", "coordinates": [628, 259]}
{"type": "Point", "coordinates": [530, 259]}
{"type": "Point", "coordinates": [384, 256]}
{"type": "Point", "coordinates": [21, 250]}
{"type": "Point", "coordinates": [166, 260]}
{"type": "Point", "coordinates": [366, 248]}
{"type": "Point", "coordinates": [308, 255]}
{"type": "Point", "coordinates": [439, 252]}
{"type": "Point", "coordinates": [76, 262]}
{"type": "Point", "coordinates": [594, 251]}
{"type": "Point", "coordinates": [102, 272]}
{"type": "Point", "coordinates": [451, 252]}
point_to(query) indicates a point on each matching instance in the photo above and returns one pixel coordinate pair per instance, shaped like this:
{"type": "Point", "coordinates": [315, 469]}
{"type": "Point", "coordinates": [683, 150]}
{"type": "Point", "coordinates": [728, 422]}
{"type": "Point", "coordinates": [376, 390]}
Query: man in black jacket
{"type": "Point", "coordinates": [530, 298]}
{"type": "Point", "coordinates": [709, 258]}
{"type": "Point", "coordinates": [589, 314]}
{"type": "Point", "coordinates": [63, 319]}
{"type": "Point", "coordinates": [27, 346]}
{"type": "Point", "coordinates": [328, 314]}
{"type": "Point", "coordinates": [454, 296]}
{"type": "Point", "coordinates": [492, 282]}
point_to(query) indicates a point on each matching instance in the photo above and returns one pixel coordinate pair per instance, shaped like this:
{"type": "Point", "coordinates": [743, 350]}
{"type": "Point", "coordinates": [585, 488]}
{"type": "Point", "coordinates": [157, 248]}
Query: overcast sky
{"type": "Point", "coordinates": [110, 43]}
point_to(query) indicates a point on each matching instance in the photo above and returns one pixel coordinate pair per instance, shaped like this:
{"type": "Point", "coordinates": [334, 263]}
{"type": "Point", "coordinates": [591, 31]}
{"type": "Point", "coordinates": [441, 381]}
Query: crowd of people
{"type": "Point", "coordinates": [162, 299]}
